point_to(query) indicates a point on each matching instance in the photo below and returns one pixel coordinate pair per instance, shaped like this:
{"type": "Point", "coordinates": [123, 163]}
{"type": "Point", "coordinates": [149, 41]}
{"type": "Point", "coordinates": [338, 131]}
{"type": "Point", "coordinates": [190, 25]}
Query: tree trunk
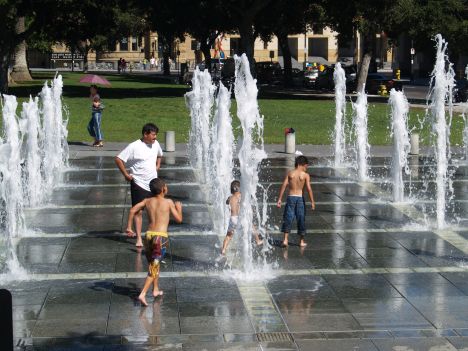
{"type": "Point", "coordinates": [284, 44]}
{"type": "Point", "coordinates": [206, 49]}
{"type": "Point", "coordinates": [4, 64]}
{"type": "Point", "coordinates": [368, 52]}
{"type": "Point", "coordinates": [20, 68]}
{"type": "Point", "coordinates": [85, 60]}
{"type": "Point", "coordinates": [247, 41]}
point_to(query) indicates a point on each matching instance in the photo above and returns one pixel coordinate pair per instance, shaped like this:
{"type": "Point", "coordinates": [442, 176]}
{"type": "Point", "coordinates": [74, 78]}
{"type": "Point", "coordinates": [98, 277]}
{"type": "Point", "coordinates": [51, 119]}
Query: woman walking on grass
{"type": "Point", "coordinates": [94, 125]}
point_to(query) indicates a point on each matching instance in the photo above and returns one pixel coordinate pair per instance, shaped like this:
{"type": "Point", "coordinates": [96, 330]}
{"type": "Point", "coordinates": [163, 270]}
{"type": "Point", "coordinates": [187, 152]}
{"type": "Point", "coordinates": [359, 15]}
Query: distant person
{"type": "Point", "coordinates": [124, 65]}
{"type": "Point", "coordinates": [119, 65]}
{"type": "Point", "coordinates": [94, 125]}
{"type": "Point", "coordinates": [234, 205]}
{"type": "Point", "coordinates": [159, 210]}
{"type": "Point", "coordinates": [145, 63]}
{"type": "Point", "coordinates": [143, 158]}
{"type": "Point", "coordinates": [295, 181]}
{"type": "Point", "coordinates": [152, 62]}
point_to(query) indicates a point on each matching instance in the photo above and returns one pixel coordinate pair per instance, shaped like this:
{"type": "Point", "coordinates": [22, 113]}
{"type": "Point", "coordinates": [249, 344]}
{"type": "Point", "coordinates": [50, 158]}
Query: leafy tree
{"type": "Point", "coordinates": [288, 20]}
{"type": "Point", "coordinates": [368, 17]}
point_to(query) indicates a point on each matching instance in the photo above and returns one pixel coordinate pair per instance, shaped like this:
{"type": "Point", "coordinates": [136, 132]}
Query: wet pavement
{"type": "Point", "coordinates": [371, 278]}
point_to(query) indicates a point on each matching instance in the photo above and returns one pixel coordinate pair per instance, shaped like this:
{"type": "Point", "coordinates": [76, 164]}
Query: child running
{"type": "Point", "coordinates": [234, 204]}
{"type": "Point", "coordinates": [295, 203]}
{"type": "Point", "coordinates": [159, 210]}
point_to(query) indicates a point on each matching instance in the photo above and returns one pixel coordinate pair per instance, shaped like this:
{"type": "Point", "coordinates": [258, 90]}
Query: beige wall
{"type": "Point", "coordinates": [149, 47]}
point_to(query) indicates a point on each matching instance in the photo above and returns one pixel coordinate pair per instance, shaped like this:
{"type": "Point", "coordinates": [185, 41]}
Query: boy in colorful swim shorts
{"type": "Point", "coordinates": [234, 204]}
{"type": "Point", "coordinates": [159, 210]}
{"type": "Point", "coordinates": [295, 181]}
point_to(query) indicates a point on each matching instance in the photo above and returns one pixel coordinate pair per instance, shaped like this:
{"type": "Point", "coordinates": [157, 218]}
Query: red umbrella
{"type": "Point", "coordinates": [94, 79]}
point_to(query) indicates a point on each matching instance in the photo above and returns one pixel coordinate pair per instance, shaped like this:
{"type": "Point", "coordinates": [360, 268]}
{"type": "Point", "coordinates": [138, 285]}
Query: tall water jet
{"type": "Point", "coordinates": [222, 157]}
{"type": "Point", "coordinates": [200, 102]}
{"type": "Point", "coordinates": [251, 153]}
{"type": "Point", "coordinates": [401, 142]}
{"type": "Point", "coordinates": [361, 135]}
{"type": "Point", "coordinates": [339, 78]}
{"type": "Point", "coordinates": [442, 83]}
{"type": "Point", "coordinates": [31, 127]}
{"type": "Point", "coordinates": [11, 196]}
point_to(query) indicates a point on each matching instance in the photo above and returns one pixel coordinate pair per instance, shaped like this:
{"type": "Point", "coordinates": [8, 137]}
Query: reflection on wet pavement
{"type": "Point", "coordinates": [370, 278]}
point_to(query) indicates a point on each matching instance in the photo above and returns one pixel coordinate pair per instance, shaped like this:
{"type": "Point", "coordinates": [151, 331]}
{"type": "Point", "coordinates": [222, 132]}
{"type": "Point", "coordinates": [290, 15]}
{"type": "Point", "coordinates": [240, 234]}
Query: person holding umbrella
{"type": "Point", "coordinates": [94, 125]}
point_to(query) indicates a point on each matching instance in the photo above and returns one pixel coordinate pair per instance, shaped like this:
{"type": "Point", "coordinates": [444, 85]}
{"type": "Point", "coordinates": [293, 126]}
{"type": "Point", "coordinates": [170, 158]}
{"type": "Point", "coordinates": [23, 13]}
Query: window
{"type": "Point", "coordinates": [134, 44]}
{"type": "Point", "coordinates": [265, 45]}
{"type": "Point", "coordinates": [194, 45]}
{"type": "Point", "coordinates": [124, 44]}
{"type": "Point", "coordinates": [112, 46]}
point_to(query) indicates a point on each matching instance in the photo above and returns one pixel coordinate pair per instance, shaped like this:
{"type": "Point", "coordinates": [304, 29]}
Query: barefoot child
{"type": "Point", "coordinates": [159, 210]}
{"type": "Point", "coordinates": [234, 204]}
{"type": "Point", "coordinates": [295, 204]}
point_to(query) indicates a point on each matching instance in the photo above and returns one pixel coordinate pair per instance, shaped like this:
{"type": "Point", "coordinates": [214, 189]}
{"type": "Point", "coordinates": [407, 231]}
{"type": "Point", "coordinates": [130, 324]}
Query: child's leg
{"type": "Point", "coordinates": [300, 216]}
{"type": "Point", "coordinates": [138, 220]}
{"type": "Point", "coordinates": [156, 291]}
{"type": "Point", "coordinates": [227, 239]}
{"type": "Point", "coordinates": [288, 217]}
{"type": "Point", "coordinates": [257, 236]}
{"type": "Point", "coordinates": [142, 297]}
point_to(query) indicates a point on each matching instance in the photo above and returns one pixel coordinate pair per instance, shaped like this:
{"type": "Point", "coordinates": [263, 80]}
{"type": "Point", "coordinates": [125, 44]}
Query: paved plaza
{"type": "Point", "coordinates": [371, 278]}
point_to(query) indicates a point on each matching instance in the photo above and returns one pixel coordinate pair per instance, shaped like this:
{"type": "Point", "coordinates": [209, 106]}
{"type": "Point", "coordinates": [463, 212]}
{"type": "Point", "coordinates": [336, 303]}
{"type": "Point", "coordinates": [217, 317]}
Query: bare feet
{"type": "Point", "coordinates": [259, 242]}
{"type": "Point", "coordinates": [284, 244]}
{"type": "Point", "coordinates": [139, 243]}
{"type": "Point", "coordinates": [223, 252]}
{"type": "Point", "coordinates": [142, 299]}
{"type": "Point", "coordinates": [158, 293]}
{"type": "Point", "coordinates": [130, 233]}
{"type": "Point", "coordinates": [302, 243]}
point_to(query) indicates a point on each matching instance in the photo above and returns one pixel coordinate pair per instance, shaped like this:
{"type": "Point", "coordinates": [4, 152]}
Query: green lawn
{"type": "Point", "coordinates": [135, 100]}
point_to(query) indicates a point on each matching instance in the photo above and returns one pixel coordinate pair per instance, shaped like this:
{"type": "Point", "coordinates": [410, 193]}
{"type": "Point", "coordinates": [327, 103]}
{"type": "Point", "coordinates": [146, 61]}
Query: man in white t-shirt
{"type": "Point", "coordinates": [143, 158]}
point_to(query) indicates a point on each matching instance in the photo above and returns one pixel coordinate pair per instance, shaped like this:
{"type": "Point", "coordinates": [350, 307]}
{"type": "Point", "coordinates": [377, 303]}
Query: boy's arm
{"type": "Point", "coordinates": [176, 211]}
{"type": "Point", "coordinates": [309, 190]}
{"type": "Point", "coordinates": [135, 209]}
{"type": "Point", "coordinates": [282, 189]}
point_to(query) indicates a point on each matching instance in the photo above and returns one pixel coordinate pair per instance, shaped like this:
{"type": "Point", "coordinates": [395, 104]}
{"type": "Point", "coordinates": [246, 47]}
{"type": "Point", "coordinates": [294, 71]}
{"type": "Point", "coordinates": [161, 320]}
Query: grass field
{"type": "Point", "coordinates": [135, 100]}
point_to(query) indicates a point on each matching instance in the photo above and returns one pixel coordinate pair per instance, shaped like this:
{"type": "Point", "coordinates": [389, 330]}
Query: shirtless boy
{"type": "Point", "coordinates": [234, 204]}
{"type": "Point", "coordinates": [295, 181]}
{"type": "Point", "coordinates": [159, 210]}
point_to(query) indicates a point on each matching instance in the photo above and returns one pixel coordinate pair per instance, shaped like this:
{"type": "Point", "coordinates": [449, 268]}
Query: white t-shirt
{"type": "Point", "coordinates": [141, 159]}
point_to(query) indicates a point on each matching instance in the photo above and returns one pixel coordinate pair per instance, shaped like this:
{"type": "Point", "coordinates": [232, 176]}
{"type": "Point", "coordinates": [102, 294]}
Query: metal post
{"type": "Point", "coordinates": [169, 143]}
{"type": "Point", "coordinates": [414, 141]}
{"type": "Point", "coordinates": [290, 143]}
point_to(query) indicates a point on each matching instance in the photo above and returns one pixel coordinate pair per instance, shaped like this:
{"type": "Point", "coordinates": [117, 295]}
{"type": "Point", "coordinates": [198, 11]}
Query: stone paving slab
{"type": "Point", "coordinates": [369, 279]}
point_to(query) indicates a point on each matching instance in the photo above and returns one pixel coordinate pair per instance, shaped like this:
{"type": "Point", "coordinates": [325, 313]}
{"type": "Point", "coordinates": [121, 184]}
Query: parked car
{"type": "Point", "coordinates": [325, 81]}
{"type": "Point", "coordinates": [267, 72]}
{"type": "Point", "coordinates": [310, 76]}
{"type": "Point", "coordinates": [375, 80]}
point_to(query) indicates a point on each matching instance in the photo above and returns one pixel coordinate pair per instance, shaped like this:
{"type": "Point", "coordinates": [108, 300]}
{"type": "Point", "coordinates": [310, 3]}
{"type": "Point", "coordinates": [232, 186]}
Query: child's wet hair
{"type": "Point", "coordinates": [235, 186]}
{"type": "Point", "coordinates": [301, 161]}
{"type": "Point", "coordinates": [156, 186]}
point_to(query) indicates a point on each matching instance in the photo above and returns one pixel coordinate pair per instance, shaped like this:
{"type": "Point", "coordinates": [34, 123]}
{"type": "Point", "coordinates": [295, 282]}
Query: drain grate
{"type": "Point", "coordinates": [266, 337]}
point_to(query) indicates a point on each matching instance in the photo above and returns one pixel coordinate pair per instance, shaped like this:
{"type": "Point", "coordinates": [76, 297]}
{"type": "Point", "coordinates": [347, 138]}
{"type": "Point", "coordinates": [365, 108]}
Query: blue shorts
{"type": "Point", "coordinates": [295, 207]}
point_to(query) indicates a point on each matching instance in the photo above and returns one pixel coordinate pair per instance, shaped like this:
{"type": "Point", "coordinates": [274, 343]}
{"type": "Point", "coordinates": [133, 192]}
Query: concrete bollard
{"type": "Point", "coordinates": [169, 159]}
{"type": "Point", "coordinates": [414, 142]}
{"type": "Point", "coordinates": [290, 143]}
{"type": "Point", "coordinates": [414, 166]}
{"type": "Point", "coordinates": [169, 144]}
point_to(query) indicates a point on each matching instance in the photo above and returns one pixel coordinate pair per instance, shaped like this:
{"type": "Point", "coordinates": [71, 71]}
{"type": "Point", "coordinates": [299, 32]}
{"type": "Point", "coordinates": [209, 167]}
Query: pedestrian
{"type": "Point", "coordinates": [295, 181]}
{"type": "Point", "coordinates": [143, 158]}
{"type": "Point", "coordinates": [119, 65]}
{"type": "Point", "coordinates": [94, 125]}
{"type": "Point", "coordinates": [159, 211]}
{"type": "Point", "coordinates": [145, 62]}
{"type": "Point", "coordinates": [152, 62]}
{"type": "Point", "coordinates": [124, 65]}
